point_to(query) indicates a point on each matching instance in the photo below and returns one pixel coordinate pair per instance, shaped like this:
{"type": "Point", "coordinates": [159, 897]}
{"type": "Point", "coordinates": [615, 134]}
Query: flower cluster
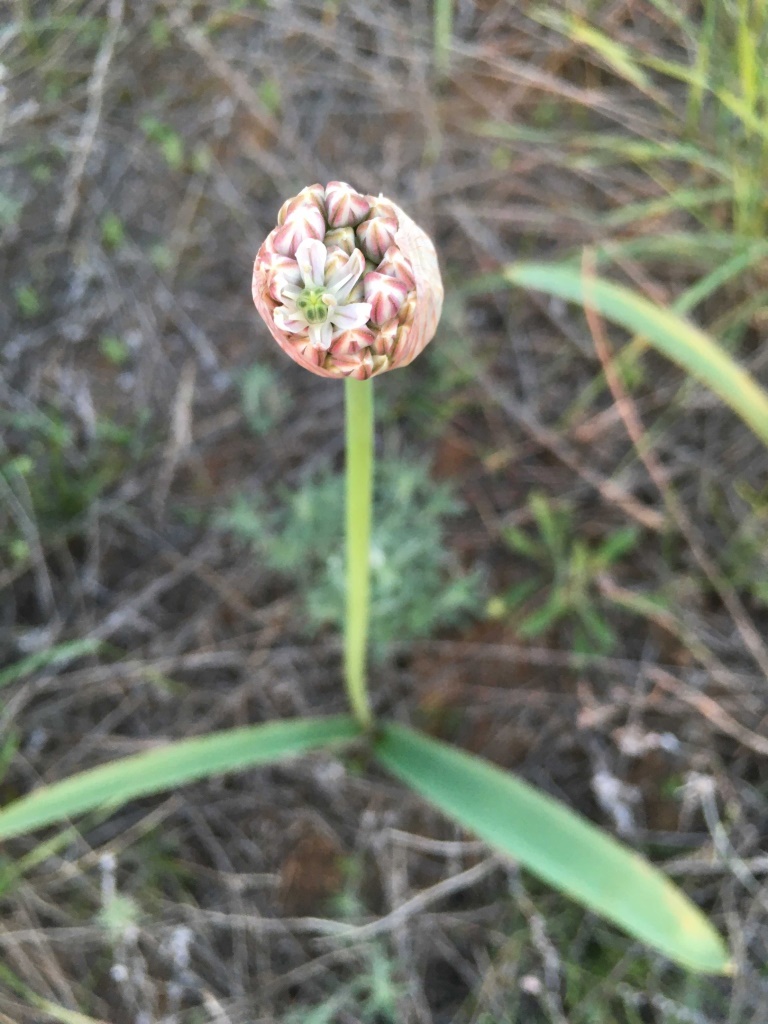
{"type": "Point", "coordinates": [347, 284]}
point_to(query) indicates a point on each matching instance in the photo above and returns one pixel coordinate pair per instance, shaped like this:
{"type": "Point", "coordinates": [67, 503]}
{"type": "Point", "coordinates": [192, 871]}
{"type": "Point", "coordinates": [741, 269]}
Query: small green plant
{"type": "Point", "coordinates": [159, 32]}
{"type": "Point", "coordinates": [167, 139]}
{"type": "Point", "coordinates": [265, 401]}
{"type": "Point", "coordinates": [47, 489]}
{"type": "Point", "coordinates": [112, 231]}
{"type": "Point", "coordinates": [416, 585]}
{"type": "Point", "coordinates": [269, 94]}
{"type": "Point", "coordinates": [310, 299]}
{"type": "Point", "coordinates": [115, 349]}
{"type": "Point", "coordinates": [372, 997]}
{"type": "Point", "coordinates": [161, 257]}
{"type": "Point", "coordinates": [565, 581]}
{"type": "Point", "coordinates": [28, 301]}
{"type": "Point", "coordinates": [10, 210]}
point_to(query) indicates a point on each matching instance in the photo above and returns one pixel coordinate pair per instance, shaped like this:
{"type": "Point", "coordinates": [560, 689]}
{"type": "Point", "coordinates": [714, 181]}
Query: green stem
{"type": "Point", "coordinates": [359, 416]}
{"type": "Point", "coordinates": [443, 30]}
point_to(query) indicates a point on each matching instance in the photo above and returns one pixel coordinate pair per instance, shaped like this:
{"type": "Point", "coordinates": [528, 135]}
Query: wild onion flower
{"type": "Point", "coordinates": [347, 284]}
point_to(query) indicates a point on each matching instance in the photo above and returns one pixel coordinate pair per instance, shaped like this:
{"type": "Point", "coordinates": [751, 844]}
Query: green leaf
{"type": "Point", "coordinates": [550, 524]}
{"type": "Point", "coordinates": [519, 593]}
{"type": "Point", "coordinates": [616, 545]}
{"type": "Point", "coordinates": [688, 346]}
{"type": "Point", "coordinates": [553, 609]}
{"type": "Point", "coordinates": [522, 543]}
{"type": "Point", "coordinates": [560, 847]}
{"type": "Point", "coordinates": [171, 765]}
{"type": "Point", "coordinates": [596, 627]}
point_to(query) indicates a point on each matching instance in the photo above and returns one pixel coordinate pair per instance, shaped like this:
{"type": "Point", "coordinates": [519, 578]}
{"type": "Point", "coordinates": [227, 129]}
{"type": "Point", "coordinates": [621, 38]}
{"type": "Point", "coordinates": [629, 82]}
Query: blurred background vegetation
{"type": "Point", "coordinates": [170, 502]}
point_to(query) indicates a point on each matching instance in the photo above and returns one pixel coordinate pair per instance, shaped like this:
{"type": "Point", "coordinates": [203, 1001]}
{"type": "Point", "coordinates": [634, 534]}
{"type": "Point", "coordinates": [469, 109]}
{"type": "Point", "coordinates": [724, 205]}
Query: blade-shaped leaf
{"type": "Point", "coordinates": [688, 346]}
{"type": "Point", "coordinates": [559, 846]}
{"type": "Point", "coordinates": [171, 765]}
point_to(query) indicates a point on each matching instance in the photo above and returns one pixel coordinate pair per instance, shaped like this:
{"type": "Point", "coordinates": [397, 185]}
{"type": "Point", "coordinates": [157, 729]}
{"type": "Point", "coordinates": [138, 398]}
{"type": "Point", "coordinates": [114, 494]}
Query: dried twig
{"type": "Point", "coordinates": [709, 708]}
{"type": "Point", "coordinates": [90, 125]}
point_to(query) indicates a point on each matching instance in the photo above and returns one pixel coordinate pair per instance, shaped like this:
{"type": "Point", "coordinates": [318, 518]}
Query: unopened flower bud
{"type": "Point", "coordinates": [347, 284]}
{"type": "Point", "coordinates": [335, 259]}
{"type": "Point", "coordinates": [312, 195]}
{"type": "Point", "coordinates": [360, 365]}
{"type": "Point", "coordinates": [306, 221]}
{"type": "Point", "coordinates": [282, 271]}
{"type": "Point", "coordinates": [344, 206]}
{"type": "Point", "coordinates": [375, 236]}
{"type": "Point", "coordinates": [386, 339]}
{"type": "Point", "coordinates": [396, 265]}
{"type": "Point", "coordinates": [381, 207]}
{"type": "Point", "coordinates": [349, 343]}
{"type": "Point", "coordinates": [386, 296]}
{"type": "Point", "coordinates": [344, 238]}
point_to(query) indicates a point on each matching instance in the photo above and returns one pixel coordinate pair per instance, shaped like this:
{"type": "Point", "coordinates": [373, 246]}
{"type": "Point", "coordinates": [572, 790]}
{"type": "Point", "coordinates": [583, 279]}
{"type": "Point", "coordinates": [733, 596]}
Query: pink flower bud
{"type": "Point", "coordinates": [381, 207]}
{"type": "Point", "coordinates": [376, 235]}
{"type": "Point", "coordinates": [312, 195]}
{"type": "Point", "coordinates": [386, 295]}
{"type": "Point", "coordinates": [282, 270]}
{"type": "Point", "coordinates": [360, 365]}
{"type": "Point", "coordinates": [305, 221]}
{"type": "Point", "coordinates": [335, 260]}
{"type": "Point", "coordinates": [396, 265]}
{"type": "Point", "coordinates": [386, 339]}
{"type": "Point", "coordinates": [349, 343]}
{"type": "Point", "coordinates": [344, 205]}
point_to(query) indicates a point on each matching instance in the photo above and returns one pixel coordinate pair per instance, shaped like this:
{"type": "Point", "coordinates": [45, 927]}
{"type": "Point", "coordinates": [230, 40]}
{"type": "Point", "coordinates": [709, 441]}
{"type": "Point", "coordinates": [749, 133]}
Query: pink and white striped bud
{"type": "Point", "coordinates": [350, 343]}
{"type": "Point", "coordinates": [312, 195]}
{"type": "Point", "coordinates": [282, 271]}
{"type": "Point", "coordinates": [344, 205]}
{"type": "Point", "coordinates": [396, 265]}
{"type": "Point", "coordinates": [375, 236]}
{"type": "Point", "coordinates": [381, 207]}
{"type": "Point", "coordinates": [386, 296]}
{"type": "Point", "coordinates": [386, 339]}
{"type": "Point", "coordinates": [335, 260]}
{"type": "Point", "coordinates": [360, 365]}
{"type": "Point", "coordinates": [305, 221]}
{"type": "Point", "coordinates": [347, 284]}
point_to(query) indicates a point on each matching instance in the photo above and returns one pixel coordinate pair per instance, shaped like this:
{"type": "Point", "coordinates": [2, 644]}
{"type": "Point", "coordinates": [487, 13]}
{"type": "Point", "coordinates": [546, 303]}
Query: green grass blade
{"type": "Point", "coordinates": [58, 1013]}
{"type": "Point", "coordinates": [557, 845]}
{"type": "Point", "coordinates": [682, 199]}
{"type": "Point", "coordinates": [171, 765]}
{"type": "Point", "coordinates": [52, 657]}
{"type": "Point", "coordinates": [688, 346]}
{"type": "Point", "coordinates": [740, 262]}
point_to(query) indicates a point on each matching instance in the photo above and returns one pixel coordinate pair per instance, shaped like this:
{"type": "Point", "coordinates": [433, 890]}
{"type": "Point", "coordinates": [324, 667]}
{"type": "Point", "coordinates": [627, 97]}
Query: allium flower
{"type": "Point", "coordinates": [347, 284]}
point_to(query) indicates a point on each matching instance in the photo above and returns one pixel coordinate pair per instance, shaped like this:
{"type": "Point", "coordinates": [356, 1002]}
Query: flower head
{"type": "Point", "coordinates": [347, 284]}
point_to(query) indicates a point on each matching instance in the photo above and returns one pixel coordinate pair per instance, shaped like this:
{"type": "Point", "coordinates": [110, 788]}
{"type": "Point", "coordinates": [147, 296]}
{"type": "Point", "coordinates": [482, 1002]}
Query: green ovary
{"type": "Point", "coordinates": [312, 306]}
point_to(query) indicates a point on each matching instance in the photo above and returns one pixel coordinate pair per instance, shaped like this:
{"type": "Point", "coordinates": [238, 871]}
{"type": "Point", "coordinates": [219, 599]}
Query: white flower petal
{"type": "Point", "coordinates": [321, 335]}
{"type": "Point", "coordinates": [347, 318]}
{"type": "Point", "coordinates": [288, 292]}
{"type": "Point", "coordinates": [310, 256]}
{"type": "Point", "coordinates": [343, 280]}
{"type": "Point", "coordinates": [289, 320]}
